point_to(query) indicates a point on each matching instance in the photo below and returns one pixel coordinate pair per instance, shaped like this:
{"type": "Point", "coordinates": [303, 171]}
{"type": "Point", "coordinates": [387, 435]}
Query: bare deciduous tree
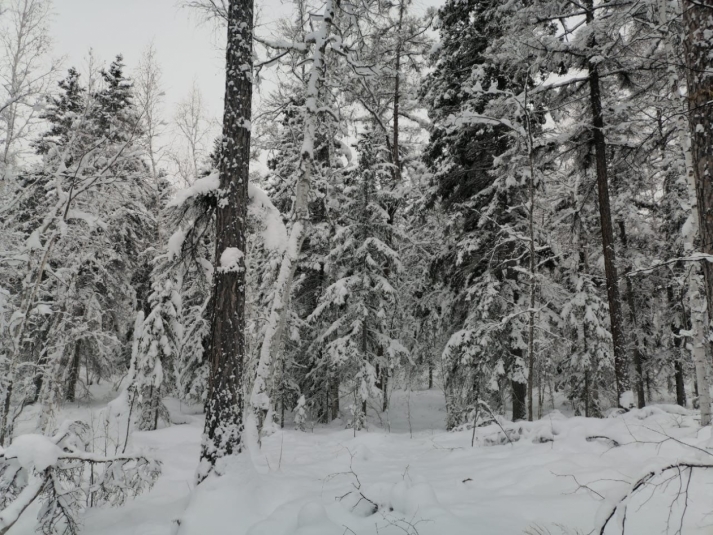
{"type": "Point", "coordinates": [149, 100]}
{"type": "Point", "coordinates": [193, 135]}
{"type": "Point", "coordinates": [26, 71]}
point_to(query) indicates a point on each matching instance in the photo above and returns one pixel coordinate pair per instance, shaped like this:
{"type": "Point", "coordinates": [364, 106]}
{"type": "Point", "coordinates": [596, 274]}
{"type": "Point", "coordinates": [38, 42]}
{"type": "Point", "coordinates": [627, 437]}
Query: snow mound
{"type": "Point", "coordinates": [33, 452]}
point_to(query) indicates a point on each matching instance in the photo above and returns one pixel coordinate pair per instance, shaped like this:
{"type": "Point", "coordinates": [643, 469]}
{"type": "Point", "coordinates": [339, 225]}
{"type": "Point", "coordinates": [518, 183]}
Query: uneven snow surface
{"type": "Point", "coordinates": [421, 480]}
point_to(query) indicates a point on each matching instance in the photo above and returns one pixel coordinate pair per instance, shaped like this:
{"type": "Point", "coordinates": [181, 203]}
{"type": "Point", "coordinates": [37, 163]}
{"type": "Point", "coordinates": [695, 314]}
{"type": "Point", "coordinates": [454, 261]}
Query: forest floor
{"type": "Point", "coordinates": [407, 475]}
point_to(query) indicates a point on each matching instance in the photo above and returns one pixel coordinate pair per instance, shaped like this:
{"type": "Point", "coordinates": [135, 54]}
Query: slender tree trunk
{"type": "Point", "coordinates": [679, 376]}
{"type": "Point", "coordinates": [226, 352]}
{"type": "Point", "coordinates": [636, 350]}
{"type": "Point", "coordinates": [638, 365]}
{"type": "Point", "coordinates": [533, 267]}
{"type": "Point", "coordinates": [334, 386]}
{"type": "Point", "coordinates": [698, 22]}
{"type": "Point", "coordinates": [680, 384]}
{"type": "Point", "coordinates": [519, 403]}
{"type": "Point", "coordinates": [396, 158]}
{"type": "Point", "coordinates": [73, 375]}
{"type": "Point", "coordinates": [272, 340]}
{"type": "Point", "coordinates": [613, 295]}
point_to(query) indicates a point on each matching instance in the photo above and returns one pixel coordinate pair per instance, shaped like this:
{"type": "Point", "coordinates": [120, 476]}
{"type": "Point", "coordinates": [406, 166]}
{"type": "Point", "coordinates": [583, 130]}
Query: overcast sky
{"type": "Point", "coordinates": [187, 49]}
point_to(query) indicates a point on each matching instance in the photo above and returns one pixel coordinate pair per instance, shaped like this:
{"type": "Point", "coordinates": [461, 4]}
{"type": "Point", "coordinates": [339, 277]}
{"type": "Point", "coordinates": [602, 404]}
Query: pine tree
{"type": "Point", "coordinates": [479, 252]}
{"type": "Point", "coordinates": [61, 112]}
{"type": "Point", "coordinates": [226, 353]}
{"type": "Point", "coordinates": [364, 268]}
{"type": "Point", "coordinates": [155, 360]}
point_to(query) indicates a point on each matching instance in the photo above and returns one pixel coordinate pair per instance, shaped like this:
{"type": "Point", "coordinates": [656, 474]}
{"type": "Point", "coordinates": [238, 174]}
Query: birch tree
{"type": "Point", "coordinates": [272, 338]}
{"type": "Point", "coordinates": [699, 302]}
{"type": "Point", "coordinates": [26, 72]}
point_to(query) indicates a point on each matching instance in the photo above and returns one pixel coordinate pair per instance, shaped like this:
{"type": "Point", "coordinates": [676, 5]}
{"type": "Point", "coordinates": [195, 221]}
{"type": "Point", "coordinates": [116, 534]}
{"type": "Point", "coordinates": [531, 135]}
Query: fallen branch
{"type": "Point", "coordinates": [642, 482]}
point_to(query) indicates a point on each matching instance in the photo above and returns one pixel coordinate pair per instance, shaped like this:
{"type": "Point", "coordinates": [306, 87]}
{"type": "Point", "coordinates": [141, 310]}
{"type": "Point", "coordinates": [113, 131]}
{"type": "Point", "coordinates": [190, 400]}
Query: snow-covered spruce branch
{"type": "Point", "coordinates": [66, 479]}
{"type": "Point", "coordinates": [290, 46]}
{"type": "Point", "coordinates": [696, 257]}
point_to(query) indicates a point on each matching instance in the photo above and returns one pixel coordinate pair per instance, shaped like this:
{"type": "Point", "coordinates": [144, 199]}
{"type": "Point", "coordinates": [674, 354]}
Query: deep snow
{"type": "Point", "coordinates": [420, 479]}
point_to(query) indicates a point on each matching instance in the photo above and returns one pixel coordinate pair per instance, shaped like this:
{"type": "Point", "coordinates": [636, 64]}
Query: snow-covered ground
{"type": "Point", "coordinates": [554, 477]}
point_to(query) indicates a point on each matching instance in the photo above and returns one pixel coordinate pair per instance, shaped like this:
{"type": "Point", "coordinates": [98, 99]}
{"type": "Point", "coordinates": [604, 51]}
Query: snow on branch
{"type": "Point", "coordinates": [274, 232]}
{"type": "Point", "coordinates": [65, 478]}
{"type": "Point", "coordinates": [203, 186]}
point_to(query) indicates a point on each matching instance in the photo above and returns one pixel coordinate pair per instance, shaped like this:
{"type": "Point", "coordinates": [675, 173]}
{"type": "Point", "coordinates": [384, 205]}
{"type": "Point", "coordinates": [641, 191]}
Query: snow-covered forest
{"type": "Point", "coordinates": [434, 270]}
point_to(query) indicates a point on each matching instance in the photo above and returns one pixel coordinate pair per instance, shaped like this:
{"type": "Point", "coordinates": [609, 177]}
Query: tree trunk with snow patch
{"type": "Point", "coordinates": [700, 196]}
{"type": "Point", "coordinates": [226, 353]}
{"type": "Point", "coordinates": [272, 341]}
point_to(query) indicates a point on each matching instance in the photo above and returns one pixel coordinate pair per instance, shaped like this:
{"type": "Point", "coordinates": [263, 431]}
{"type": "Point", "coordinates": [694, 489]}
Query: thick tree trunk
{"type": "Point", "coordinates": [519, 393]}
{"type": "Point", "coordinates": [226, 353]}
{"type": "Point", "coordinates": [605, 219]}
{"type": "Point", "coordinates": [698, 21]}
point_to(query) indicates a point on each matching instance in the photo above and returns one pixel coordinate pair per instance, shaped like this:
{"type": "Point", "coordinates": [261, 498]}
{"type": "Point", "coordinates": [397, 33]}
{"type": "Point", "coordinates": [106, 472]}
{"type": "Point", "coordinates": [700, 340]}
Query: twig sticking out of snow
{"type": "Point", "coordinates": [620, 506]}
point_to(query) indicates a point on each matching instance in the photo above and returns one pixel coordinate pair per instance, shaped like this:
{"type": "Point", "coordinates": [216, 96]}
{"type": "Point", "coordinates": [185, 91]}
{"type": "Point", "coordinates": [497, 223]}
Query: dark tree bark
{"type": "Point", "coordinates": [396, 158]}
{"type": "Point", "coordinates": [680, 384]}
{"type": "Point", "coordinates": [698, 20]}
{"type": "Point", "coordinates": [73, 375]}
{"type": "Point", "coordinates": [636, 350]}
{"type": "Point", "coordinates": [519, 393]}
{"type": "Point", "coordinates": [224, 406]}
{"type": "Point", "coordinates": [519, 405]}
{"type": "Point", "coordinates": [334, 401]}
{"type": "Point", "coordinates": [638, 359]}
{"type": "Point", "coordinates": [610, 271]}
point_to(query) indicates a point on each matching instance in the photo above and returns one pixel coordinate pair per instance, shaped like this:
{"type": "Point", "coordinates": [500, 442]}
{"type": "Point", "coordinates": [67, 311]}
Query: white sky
{"type": "Point", "coordinates": [186, 48]}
